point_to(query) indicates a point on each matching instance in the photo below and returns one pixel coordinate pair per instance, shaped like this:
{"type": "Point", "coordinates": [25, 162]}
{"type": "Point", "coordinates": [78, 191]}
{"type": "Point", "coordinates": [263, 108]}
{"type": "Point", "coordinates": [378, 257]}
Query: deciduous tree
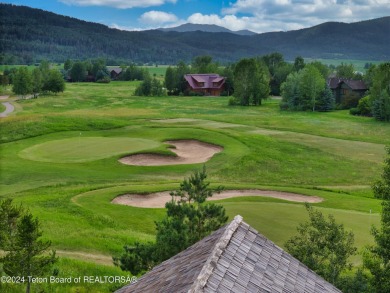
{"type": "Point", "coordinates": [251, 82]}
{"type": "Point", "coordinates": [22, 82]}
{"type": "Point", "coordinates": [323, 245]}
{"type": "Point", "coordinates": [377, 260]}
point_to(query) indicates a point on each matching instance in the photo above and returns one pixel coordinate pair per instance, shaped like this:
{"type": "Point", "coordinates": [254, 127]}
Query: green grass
{"type": "Point", "coordinates": [85, 149]}
{"type": "Point", "coordinates": [358, 64]}
{"type": "Point", "coordinates": [59, 157]}
{"type": "Point", "coordinates": [2, 108]}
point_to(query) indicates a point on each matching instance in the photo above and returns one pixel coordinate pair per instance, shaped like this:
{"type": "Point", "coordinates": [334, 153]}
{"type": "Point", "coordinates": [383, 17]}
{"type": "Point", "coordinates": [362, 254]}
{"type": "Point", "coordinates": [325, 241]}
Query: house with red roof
{"type": "Point", "coordinates": [206, 84]}
{"type": "Point", "coordinates": [347, 91]}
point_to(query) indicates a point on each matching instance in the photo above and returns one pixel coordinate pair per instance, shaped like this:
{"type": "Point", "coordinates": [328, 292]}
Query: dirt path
{"type": "Point", "coordinates": [9, 108]}
{"type": "Point", "coordinates": [187, 151]}
{"type": "Point", "coordinates": [158, 200]}
{"type": "Point", "coordinates": [96, 258]}
{"type": "Point", "coordinates": [4, 97]}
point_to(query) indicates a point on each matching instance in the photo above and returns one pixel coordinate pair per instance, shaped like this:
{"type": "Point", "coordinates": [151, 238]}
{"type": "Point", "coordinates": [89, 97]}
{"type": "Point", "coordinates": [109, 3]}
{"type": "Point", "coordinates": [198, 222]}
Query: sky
{"type": "Point", "coordinates": [256, 15]}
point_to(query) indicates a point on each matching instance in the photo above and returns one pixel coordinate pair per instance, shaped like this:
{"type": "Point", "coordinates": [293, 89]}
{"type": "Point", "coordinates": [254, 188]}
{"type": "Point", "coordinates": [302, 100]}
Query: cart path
{"type": "Point", "coordinates": [9, 108]}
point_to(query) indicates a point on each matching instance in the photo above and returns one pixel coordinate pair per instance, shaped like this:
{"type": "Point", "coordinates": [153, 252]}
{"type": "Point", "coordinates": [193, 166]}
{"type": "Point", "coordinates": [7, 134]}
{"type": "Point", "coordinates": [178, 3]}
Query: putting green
{"type": "Point", "coordinates": [85, 149]}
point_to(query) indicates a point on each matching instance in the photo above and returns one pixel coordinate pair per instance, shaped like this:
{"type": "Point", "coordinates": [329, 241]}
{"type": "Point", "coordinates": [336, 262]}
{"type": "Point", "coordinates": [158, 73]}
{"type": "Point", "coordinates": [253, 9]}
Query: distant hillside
{"type": "Point", "coordinates": [29, 35]}
{"type": "Point", "coordinates": [210, 28]}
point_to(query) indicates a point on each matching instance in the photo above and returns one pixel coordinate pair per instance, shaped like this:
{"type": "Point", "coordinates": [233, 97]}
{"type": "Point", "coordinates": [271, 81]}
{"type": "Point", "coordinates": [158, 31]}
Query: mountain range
{"type": "Point", "coordinates": [29, 35]}
{"type": "Point", "coordinates": [210, 28]}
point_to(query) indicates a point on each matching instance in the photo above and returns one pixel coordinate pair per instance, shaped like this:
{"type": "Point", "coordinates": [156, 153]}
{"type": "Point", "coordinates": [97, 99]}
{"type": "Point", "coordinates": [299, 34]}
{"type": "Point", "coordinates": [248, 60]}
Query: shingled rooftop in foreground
{"type": "Point", "coordinates": [235, 258]}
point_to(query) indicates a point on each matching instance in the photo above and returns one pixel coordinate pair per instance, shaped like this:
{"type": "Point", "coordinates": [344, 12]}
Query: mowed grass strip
{"type": "Point", "coordinates": [85, 149]}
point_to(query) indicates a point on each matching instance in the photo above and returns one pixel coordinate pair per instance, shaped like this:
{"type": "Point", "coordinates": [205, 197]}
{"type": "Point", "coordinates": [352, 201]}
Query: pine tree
{"type": "Point", "coordinates": [189, 219]}
{"type": "Point", "coordinates": [27, 257]}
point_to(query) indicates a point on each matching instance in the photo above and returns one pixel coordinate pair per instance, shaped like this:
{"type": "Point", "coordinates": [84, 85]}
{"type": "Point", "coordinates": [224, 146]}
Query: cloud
{"type": "Point", "coordinates": [157, 17]}
{"type": "Point", "coordinates": [231, 22]}
{"type": "Point", "coordinates": [122, 4]}
{"type": "Point", "coordinates": [276, 15]}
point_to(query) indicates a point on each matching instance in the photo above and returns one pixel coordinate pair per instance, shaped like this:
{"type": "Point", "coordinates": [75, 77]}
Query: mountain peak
{"type": "Point", "coordinates": [210, 28]}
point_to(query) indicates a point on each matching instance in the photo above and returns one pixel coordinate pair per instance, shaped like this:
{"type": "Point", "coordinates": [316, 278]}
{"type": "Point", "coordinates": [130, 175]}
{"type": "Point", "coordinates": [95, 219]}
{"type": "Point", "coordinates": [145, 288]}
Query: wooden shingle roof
{"type": "Point", "coordinates": [235, 258]}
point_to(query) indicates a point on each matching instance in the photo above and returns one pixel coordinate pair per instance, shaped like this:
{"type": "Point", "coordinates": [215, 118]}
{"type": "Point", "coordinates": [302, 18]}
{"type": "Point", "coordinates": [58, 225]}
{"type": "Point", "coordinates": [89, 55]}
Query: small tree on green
{"type": "Point", "coordinates": [22, 82]}
{"type": "Point", "coordinates": [323, 245]}
{"type": "Point", "coordinates": [189, 219]}
{"type": "Point", "coordinates": [377, 258]}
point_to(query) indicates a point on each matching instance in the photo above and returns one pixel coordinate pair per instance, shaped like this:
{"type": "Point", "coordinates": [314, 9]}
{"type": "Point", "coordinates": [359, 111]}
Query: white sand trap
{"type": "Point", "coordinates": [158, 199]}
{"type": "Point", "coordinates": [187, 152]}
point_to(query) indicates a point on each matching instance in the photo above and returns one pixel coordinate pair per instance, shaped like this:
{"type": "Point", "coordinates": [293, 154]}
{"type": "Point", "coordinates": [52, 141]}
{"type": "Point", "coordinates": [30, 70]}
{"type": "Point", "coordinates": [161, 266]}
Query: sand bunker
{"type": "Point", "coordinates": [187, 152]}
{"type": "Point", "coordinates": [158, 200]}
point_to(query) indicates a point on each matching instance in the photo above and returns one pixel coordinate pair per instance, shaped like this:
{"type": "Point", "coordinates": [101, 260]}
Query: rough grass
{"type": "Point", "coordinates": [332, 155]}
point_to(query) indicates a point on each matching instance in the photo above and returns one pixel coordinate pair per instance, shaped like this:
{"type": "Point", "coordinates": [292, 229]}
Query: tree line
{"type": "Point", "coordinates": [40, 80]}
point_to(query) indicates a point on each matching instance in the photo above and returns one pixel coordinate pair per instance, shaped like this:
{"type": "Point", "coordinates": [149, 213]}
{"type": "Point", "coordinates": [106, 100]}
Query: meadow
{"type": "Point", "coordinates": [59, 157]}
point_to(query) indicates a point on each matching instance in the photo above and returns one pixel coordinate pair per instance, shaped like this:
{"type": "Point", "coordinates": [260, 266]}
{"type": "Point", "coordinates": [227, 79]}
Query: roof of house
{"type": "Point", "coordinates": [209, 81]}
{"type": "Point", "coordinates": [357, 85]}
{"type": "Point", "coordinates": [235, 258]}
{"type": "Point", "coordinates": [116, 70]}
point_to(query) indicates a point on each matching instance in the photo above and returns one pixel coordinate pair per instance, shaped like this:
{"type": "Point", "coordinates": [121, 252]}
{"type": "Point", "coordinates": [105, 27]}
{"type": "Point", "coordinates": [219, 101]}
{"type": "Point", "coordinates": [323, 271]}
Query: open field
{"type": "Point", "coordinates": [59, 157]}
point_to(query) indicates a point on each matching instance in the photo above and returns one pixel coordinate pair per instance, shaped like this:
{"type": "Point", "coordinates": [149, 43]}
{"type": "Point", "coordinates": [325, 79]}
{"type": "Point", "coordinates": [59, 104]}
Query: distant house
{"type": "Point", "coordinates": [206, 84]}
{"type": "Point", "coordinates": [115, 73]}
{"type": "Point", "coordinates": [235, 258]}
{"type": "Point", "coordinates": [344, 89]}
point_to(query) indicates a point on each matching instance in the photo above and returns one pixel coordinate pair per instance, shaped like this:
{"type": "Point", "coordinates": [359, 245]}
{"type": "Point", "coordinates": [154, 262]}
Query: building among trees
{"type": "Point", "coordinates": [235, 258]}
{"type": "Point", "coordinates": [347, 91]}
{"type": "Point", "coordinates": [205, 84]}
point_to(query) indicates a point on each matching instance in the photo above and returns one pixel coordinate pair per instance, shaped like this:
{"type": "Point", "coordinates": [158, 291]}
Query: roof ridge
{"type": "Point", "coordinates": [212, 260]}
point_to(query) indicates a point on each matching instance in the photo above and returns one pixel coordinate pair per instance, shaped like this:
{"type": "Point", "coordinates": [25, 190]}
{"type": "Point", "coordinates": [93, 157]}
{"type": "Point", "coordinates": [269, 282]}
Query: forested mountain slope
{"type": "Point", "coordinates": [28, 35]}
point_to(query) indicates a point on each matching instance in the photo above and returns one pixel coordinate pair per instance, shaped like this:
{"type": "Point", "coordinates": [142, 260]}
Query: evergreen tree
{"type": "Point", "coordinates": [27, 255]}
{"type": "Point", "coordinates": [326, 100]}
{"type": "Point", "coordinates": [68, 64]}
{"type": "Point", "coordinates": [22, 82]}
{"type": "Point", "coordinates": [24, 253]}
{"type": "Point", "coordinates": [189, 219]}
{"type": "Point", "coordinates": [299, 63]}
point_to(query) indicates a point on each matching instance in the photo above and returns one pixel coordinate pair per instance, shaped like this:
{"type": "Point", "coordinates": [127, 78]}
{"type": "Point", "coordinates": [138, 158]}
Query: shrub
{"type": "Point", "coordinates": [354, 111]}
{"type": "Point", "coordinates": [364, 106]}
